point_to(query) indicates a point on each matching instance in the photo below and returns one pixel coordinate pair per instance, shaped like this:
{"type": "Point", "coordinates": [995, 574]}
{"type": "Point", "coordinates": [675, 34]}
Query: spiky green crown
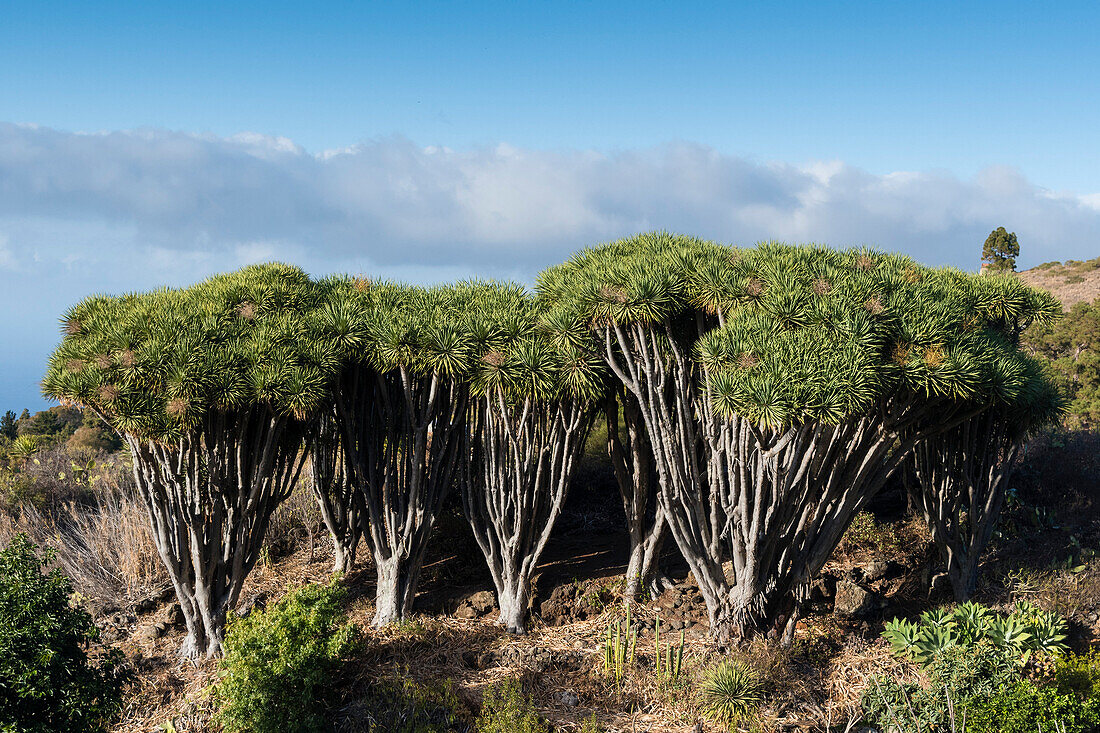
{"type": "Point", "coordinates": [645, 278]}
{"type": "Point", "coordinates": [155, 364]}
{"type": "Point", "coordinates": [811, 333]}
{"type": "Point", "coordinates": [831, 333]}
{"type": "Point", "coordinates": [484, 333]}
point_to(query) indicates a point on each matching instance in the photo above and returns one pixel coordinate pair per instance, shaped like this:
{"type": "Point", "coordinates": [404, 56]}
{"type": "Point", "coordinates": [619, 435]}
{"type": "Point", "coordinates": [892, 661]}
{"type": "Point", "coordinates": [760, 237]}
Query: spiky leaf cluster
{"type": "Point", "coordinates": [156, 363]}
{"type": "Point", "coordinates": [832, 333]}
{"type": "Point", "coordinates": [810, 333]}
{"type": "Point", "coordinates": [486, 333]}
{"type": "Point", "coordinates": [646, 279]}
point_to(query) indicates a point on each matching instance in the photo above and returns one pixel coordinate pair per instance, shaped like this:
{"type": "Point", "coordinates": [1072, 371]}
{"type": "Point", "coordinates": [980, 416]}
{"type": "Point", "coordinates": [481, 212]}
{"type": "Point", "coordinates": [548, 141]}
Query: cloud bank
{"type": "Point", "coordinates": [116, 211]}
{"type": "Point", "coordinates": [67, 197]}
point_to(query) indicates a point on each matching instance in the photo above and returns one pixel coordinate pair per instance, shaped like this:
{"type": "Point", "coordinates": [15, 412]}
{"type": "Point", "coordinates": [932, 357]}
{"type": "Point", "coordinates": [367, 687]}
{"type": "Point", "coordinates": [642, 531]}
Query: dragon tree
{"type": "Point", "coordinates": [401, 398]}
{"type": "Point", "coordinates": [213, 388]}
{"type": "Point", "coordinates": [533, 402]}
{"type": "Point", "coordinates": [632, 462]}
{"type": "Point", "coordinates": [780, 388]}
{"type": "Point", "coordinates": [339, 498]}
{"type": "Point", "coordinates": [963, 474]}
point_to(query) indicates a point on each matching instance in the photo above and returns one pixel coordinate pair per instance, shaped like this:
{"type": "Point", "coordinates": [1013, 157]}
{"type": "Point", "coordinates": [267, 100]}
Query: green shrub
{"type": "Point", "coordinates": [47, 681]}
{"type": "Point", "coordinates": [1026, 707]}
{"type": "Point", "coordinates": [983, 674]}
{"type": "Point", "coordinates": [506, 709]}
{"type": "Point", "coordinates": [730, 692]}
{"type": "Point", "coordinates": [868, 535]}
{"type": "Point", "coordinates": [279, 663]}
{"type": "Point", "coordinates": [1079, 674]}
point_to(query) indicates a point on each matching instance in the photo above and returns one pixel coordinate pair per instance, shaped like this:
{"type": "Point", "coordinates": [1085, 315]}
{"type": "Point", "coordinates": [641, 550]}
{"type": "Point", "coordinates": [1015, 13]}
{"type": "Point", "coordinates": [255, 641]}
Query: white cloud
{"type": "Point", "coordinates": [389, 204]}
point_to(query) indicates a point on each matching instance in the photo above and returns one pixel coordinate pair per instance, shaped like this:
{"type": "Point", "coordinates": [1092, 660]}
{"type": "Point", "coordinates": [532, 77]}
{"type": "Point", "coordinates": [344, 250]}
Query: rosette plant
{"type": "Point", "coordinates": [401, 403]}
{"type": "Point", "coordinates": [534, 396]}
{"type": "Point", "coordinates": [212, 388]}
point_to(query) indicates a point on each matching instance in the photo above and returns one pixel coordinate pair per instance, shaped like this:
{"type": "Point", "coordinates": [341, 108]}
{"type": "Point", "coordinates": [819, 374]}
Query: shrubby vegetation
{"type": "Point", "coordinates": [48, 681]}
{"type": "Point", "coordinates": [277, 674]}
{"type": "Point", "coordinates": [506, 708]}
{"type": "Point", "coordinates": [1071, 347]}
{"type": "Point", "coordinates": [993, 672]}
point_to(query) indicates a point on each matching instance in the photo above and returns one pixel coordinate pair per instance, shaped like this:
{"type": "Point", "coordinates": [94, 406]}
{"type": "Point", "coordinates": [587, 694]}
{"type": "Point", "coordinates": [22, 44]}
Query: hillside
{"type": "Point", "coordinates": [1072, 281]}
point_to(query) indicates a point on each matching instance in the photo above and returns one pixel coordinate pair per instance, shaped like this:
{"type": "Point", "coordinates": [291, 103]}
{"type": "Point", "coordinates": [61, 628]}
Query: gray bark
{"type": "Point", "coordinates": [775, 503]}
{"type": "Point", "coordinates": [339, 499]}
{"type": "Point", "coordinates": [209, 498]}
{"type": "Point", "coordinates": [402, 434]}
{"type": "Point", "coordinates": [632, 461]}
{"type": "Point", "coordinates": [655, 365]}
{"type": "Point", "coordinates": [520, 460]}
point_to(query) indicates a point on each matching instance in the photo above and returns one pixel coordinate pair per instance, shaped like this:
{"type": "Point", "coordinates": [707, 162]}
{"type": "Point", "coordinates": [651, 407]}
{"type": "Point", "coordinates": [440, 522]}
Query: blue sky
{"type": "Point", "coordinates": [148, 143]}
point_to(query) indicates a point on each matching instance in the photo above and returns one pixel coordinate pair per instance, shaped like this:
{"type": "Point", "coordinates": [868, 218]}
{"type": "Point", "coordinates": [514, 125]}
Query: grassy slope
{"type": "Point", "coordinates": [1071, 281]}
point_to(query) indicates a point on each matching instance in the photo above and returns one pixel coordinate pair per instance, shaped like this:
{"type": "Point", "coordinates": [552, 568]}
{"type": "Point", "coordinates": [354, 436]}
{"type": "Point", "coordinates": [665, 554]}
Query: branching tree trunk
{"type": "Point", "coordinates": [209, 496]}
{"type": "Point", "coordinates": [340, 500]}
{"type": "Point", "coordinates": [787, 497]}
{"type": "Point", "coordinates": [402, 433]}
{"type": "Point", "coordinates": [632, 461]}
{"type": "Point", "coordinates": [962, 477]}
{"type": "Point", "coordinates": [775, 503]}
{"type": "Point", "coordinates": [654, 363]}
{"type": "Point", "coordinates": [521, 458]}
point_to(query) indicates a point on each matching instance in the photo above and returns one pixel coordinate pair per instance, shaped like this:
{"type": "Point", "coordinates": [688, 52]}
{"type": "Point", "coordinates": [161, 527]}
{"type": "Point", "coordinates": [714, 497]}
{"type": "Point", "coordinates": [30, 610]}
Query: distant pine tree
{"type": "Point", "coordinates": [1001, 250]}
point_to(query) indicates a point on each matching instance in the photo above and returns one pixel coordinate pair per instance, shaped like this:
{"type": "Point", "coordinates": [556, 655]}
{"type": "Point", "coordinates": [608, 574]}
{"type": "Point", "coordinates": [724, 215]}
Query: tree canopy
{"type": "Point", "coordinates": [155, 364]}
{"type": "Point", "coordinates": [810, 333]}
{"type": "Point", "coordinates": [1001, 250]}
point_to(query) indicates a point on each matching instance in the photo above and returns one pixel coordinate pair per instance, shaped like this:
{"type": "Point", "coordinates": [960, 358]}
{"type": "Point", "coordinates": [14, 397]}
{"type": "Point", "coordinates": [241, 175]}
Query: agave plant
{"type": "Point", "coordinates": [1024, 631]}
{"type": "Point", "coordinates": [212, 388]}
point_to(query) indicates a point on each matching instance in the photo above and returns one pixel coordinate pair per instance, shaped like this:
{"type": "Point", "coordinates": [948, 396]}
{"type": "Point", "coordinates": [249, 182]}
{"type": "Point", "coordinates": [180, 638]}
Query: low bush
{"type": "Point", "coordinates": [988, 673]}
{"type": "Point", "coordinates": [277, 674]}
{"type": "Point", "coordinates": [505, 708]}
{"type": "Point", "coordinates": [48, 682]}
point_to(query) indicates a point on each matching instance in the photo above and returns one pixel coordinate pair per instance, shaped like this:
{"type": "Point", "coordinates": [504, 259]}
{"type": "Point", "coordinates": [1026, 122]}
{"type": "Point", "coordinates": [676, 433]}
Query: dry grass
{"type": "Point", "coordinates": [1070, 282]}
{"type": "Point", "coordinates": [106, 546]}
